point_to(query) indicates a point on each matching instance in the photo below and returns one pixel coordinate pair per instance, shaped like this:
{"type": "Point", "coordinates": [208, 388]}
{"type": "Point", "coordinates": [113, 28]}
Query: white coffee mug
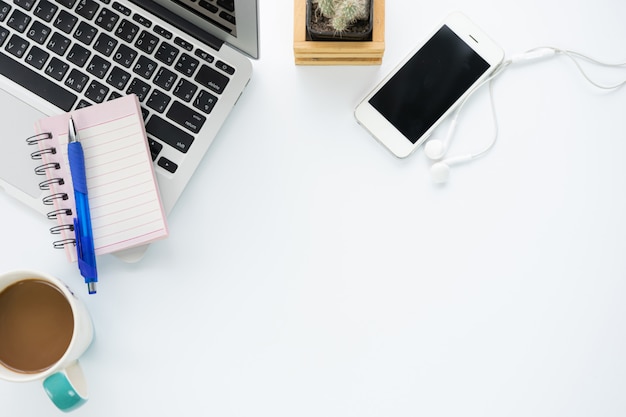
{"type": "Point", "coordinates": [63, 379]}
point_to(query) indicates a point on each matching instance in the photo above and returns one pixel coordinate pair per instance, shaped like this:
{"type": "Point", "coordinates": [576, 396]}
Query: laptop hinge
{"type": "Point", "coordinates": [180, 23]}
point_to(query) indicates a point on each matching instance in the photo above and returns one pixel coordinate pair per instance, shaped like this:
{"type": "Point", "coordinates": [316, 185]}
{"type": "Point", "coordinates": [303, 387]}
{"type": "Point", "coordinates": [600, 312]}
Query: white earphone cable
{"type": "Point", "coordinates": [531, 54]}
{"type": "Point", "coordinates": [545, 51]}
{"type": "Point", "coordinates": [489, 80]}
{"type": "Point", "coordinates": [572, 55]}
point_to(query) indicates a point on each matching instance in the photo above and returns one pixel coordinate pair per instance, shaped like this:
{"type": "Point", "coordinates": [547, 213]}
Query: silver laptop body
{"type": "Point", "coordinates": [187, 60]}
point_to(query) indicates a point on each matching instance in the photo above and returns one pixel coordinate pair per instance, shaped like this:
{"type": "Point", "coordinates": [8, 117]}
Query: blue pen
{"type": "Point", "coordinates": [82, 221]}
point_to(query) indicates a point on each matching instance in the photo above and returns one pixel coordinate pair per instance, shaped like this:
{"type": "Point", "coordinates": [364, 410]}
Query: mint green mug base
{"type": "Point", "coordinates": [61, 392]}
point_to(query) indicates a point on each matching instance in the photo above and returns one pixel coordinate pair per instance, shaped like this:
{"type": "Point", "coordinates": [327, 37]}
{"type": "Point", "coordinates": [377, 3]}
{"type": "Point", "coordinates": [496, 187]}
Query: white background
{"type": "Point", "coordinates": [310, 273]}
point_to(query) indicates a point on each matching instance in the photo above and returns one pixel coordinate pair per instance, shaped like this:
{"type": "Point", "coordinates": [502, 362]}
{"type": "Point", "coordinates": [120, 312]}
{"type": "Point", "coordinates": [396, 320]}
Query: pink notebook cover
{"type": "Point", "coordinates": [126, 208]}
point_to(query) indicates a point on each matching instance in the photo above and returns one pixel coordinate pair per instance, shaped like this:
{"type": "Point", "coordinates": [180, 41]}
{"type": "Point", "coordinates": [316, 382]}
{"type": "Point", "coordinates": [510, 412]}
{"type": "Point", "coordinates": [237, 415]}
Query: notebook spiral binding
{"type": "Point", "coordinates": [51, 184]}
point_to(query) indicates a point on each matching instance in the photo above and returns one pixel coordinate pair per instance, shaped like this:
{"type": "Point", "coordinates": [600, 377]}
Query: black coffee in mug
{"type": "Point", "coordinates": [36, 326]}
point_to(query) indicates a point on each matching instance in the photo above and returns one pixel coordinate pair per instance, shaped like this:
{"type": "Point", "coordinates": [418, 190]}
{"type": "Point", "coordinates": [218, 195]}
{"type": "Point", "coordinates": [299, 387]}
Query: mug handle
{"type": "Point", "coordinates": [67, 388]}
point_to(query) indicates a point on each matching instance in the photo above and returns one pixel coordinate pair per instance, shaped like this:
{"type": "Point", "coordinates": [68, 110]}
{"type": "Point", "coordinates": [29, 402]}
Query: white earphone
{"type": "Point", "coordinates": [435, 149]}
{"type": "Point", "coordinates": [440, 170]}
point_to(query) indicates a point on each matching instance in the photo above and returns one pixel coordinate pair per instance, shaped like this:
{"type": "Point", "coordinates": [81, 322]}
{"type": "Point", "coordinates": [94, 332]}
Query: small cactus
{"type": "Point", "coordinates": [342, 13]}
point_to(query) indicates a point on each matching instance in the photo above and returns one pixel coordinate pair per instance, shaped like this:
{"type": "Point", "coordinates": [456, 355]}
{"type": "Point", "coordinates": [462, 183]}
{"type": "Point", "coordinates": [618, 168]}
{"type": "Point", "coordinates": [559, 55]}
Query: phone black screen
{"type": "Point", "coordinates": [429, 83]}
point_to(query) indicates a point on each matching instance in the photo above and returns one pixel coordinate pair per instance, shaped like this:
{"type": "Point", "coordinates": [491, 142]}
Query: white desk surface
{"type": "Point", "coordinates": [310, 273]}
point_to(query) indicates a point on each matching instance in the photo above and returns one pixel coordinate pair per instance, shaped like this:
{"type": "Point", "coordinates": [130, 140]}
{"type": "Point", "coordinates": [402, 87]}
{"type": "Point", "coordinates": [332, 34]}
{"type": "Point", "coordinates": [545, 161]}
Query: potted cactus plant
{"type": "Point", "coordinates": [347, 20]}
{"type": "Point", "coordinates": [316, 42]}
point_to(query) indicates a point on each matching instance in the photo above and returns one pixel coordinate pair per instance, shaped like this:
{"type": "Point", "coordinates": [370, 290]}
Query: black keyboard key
{"type": "Point", "coordinates": [167, 165]}
{"type": "Point", "coordinates": [37, 57]}
{"type": "Point", "coordinates": [82, 104]}
{"type": "Point", "coordinates": [162, 32]}
{"type": "Point", "coordinates": [4, 34]}
{"type": "Point", "coordinates": [224, 67]}
{"type": "Point", "coordinates": [25, 4]}
{"type": "Point", "coordinates": [45, 10]}
{"type": "Point", "coordinates": [85, 33]}
{"type": "Point", "coordinates": [227, 4]}
{"type": "Point", "coordinates": [158, 101]}
{"type": "Point", "coordinates": [121, 8]}
{"type": "Point", "coordinates": [125, 55]}
{"type": "Point", "coordinates": [105, 44]}
{"type": "Point", "coordinates": [107, 19]}
{"type": "Point", "coordinates": [204, 55]}
{"type": "Point", "coordinates": [76, 80]}
{"type": "Point", "coordinates": [87, 9]}
{"type": "Point", "coordinates": [142, 20]}
{"type": "Point", "coordinates": [36, 83]}
{"type": "Point", "coordinates": [186, 117]}
{"type": "Point", "coordinates": [165, 78]}
{"type": "Point", "coordinates": [17, 46]}
{"type": "Point", "coordinates": [186, 65]}
{"type": "Point", "coordinates": [185, 90]}
{"type": "Point", "coordinates": [147, 42]}
{"type": "Point", "coordinates": [98, 66]}
{"type": "Point", "coordinates": [67, 3]}
{"type": "Point", "coordinates": [114, 95]}
{"type": "Point", "coordinates": [155, 148]}
{"type": "Point", "coordinates": [38, 32]}
{"type": "Point", "coordinates": [205, 101]}
{"type": "Point", "coordinates": [183, 44]}
{"type": "Point", "coordinates": [166, 53]}
{"type": "Point", "coordinates": [169, 134]}
{"type": "Point", "coordinates": [208, 6]}
{"type": "Point", "coordinates": [127, 31]}
{"type": "Point", "coordinates": [212, 79]}
{"type": "Point", "coordinates": [145, 67]}
{"type": "Point", "coordinates": [18, 20]}
{"type": "Point", "coordinates": [118, 78]}
{"type": "Point", "coordinates": [58, 44]}
{"type": "Point", "coordinates": [57, 69]}
{"type": "Point", "coordinates": [228, 17]}
{"type": "Point", "coordinates": [78, 55]}
{"type": "Point", "coordinates": [96, 92]}
{"type": "Point", "coordinates": [5, 8]}
{"type": "Point", "coordinates": [139, 88]}
{"type": "Point", "coordinates": [65, 21]}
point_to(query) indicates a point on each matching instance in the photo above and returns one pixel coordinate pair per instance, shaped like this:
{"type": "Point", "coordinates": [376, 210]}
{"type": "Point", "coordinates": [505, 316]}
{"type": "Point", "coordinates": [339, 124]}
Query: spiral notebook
{"type": "Point", "coordinates": [126, 208]}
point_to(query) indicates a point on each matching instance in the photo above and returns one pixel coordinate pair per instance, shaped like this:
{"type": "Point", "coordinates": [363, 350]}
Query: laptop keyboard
{"type": "Point", "coordinates": [75, 53]}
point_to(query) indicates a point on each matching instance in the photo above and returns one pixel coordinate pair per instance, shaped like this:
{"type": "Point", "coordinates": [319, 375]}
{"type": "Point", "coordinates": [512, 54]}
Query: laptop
{"type": "Point", "coordinates": [188, 61]}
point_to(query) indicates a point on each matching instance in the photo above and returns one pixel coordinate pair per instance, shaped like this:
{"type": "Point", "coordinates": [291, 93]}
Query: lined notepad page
{"type": "Point", "coordinates": [126, 208]}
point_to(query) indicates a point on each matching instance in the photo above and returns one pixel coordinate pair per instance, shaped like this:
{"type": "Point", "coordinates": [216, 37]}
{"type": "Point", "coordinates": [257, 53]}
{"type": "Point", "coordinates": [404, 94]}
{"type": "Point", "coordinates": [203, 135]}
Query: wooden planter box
{"type": "Point", "coordinates": [307, 52]}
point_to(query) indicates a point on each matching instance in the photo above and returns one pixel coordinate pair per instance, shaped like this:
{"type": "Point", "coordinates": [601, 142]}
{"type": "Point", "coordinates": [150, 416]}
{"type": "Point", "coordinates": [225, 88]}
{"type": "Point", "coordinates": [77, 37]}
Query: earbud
{"type": "Point", "coordinates": [440, 171]}
{"type": "Point", "coordinates": [435, 149]}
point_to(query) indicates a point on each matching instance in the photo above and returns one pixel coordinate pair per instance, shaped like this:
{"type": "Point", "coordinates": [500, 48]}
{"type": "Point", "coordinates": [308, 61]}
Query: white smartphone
{"type": "Point", "coordinates": [404, 109]}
